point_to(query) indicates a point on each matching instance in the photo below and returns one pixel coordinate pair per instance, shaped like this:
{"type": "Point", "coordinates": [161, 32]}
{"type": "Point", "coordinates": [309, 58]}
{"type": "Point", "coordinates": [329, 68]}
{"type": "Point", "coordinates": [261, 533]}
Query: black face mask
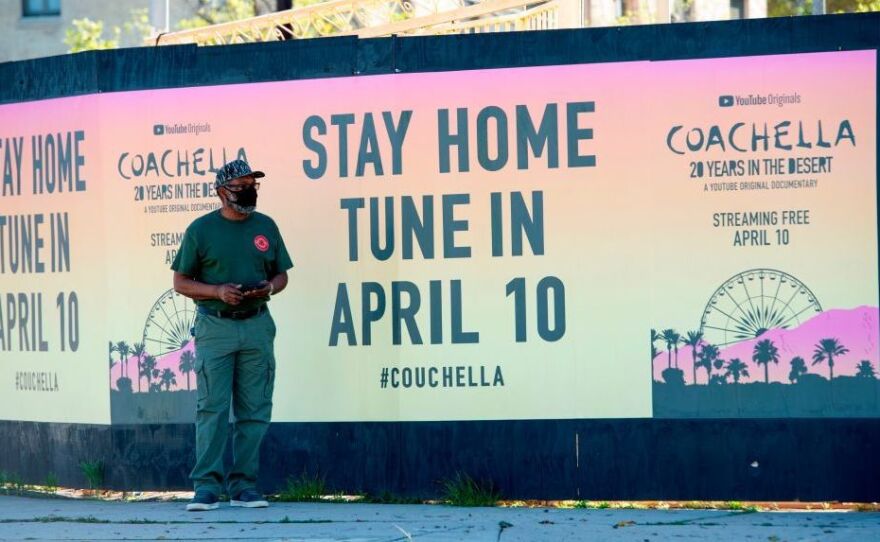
{"type": "Point", "coordinates": [245, 200]}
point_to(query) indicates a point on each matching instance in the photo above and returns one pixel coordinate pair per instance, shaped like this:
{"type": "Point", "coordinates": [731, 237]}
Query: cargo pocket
{"type": "Point", "coordinates": [271, 327]}
{"type": "Point", "coordinates": [269, 387]}
{"type": "Point", "coordinates": [197, 321]}
{"type": "Point", "coordinates": [201, 382]}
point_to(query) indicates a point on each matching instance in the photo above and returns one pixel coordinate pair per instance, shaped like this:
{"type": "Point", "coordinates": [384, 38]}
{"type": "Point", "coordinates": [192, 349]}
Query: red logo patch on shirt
{"type": "Point", "coordinates": [261, 243]}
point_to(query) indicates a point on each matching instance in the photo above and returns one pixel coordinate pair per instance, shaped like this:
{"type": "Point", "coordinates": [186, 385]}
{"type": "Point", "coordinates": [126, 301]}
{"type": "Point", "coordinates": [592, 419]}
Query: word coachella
{"type": "Point", "coordinates": [175, 162]}
{"type": "Point", "coordinates": [737, 137]}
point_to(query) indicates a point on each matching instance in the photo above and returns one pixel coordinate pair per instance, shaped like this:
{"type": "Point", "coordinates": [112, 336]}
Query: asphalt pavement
{"type": "Point", "coordinates": [29, 518]}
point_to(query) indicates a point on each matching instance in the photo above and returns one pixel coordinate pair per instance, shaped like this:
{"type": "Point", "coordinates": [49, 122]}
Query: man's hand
{"type": "Point", "coordinates": [264, 290]}
{"type": "Point", "coordinates": [230, 293]}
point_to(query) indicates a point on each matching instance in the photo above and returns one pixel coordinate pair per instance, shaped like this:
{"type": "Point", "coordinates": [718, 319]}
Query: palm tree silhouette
{"type": "Point", "coordinates": [865, 370]}
{"type": "Point", "coordinates": [765, 352]}
{"type": "Point", "coordinates": [167, 378]}
{"type": "Point", "coordinates": [798, 368]}
{"type": "Point", "coordinates": [654, 352]}
{"type": "Point", "coordinates": [187, 365]}
{"type": "Point", "coordinates": [694, 338]}
{"type": "Point", "coordinates": [112, 363]}
{"type": "Point", "coordinates": [708, 355]}
{"type": "Point", "coordinates": [736, 369]}
{"type": "Point", "coordinates": [827, 349]}
{"type": "Point", "coordinates": [123, 350]}
{"type": "Point", "coordinates": [676, 341]}
{"type": "Point", "coordinates": [671, 338]}
{"type": "Point", "coordinates": [138, 349]}
{"type": "Point", "coordinates": [718, 380]}
{"type": "Point", "coordinates": [147, 368]}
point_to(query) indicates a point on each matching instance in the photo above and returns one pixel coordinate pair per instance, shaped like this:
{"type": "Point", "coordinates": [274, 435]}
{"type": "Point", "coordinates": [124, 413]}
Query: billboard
{"type": "Point", "coordinates": [476, 245]}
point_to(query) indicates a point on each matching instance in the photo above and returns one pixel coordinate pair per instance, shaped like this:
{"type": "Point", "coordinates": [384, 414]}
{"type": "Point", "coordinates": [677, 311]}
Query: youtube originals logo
{"type": "Point", "coordinates": [777, 99]}
{"type": "Point", "coordinates": [182, 128]}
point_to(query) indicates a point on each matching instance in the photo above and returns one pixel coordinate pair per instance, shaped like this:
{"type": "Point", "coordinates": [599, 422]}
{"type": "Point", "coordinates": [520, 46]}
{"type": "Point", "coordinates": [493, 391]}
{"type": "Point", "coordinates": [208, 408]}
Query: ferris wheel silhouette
{"type": "Point", "coordinates": [752, 302]}
{"type": "Point", "coordinates": [168, 323]}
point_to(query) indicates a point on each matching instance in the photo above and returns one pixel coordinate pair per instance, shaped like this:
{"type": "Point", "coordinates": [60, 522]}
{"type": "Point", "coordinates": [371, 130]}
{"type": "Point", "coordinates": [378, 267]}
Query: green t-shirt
{"type": "Point", "coordinates": [216, 250]}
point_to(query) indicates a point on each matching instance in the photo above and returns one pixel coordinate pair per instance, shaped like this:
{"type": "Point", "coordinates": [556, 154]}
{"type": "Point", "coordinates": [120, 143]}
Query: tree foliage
{"type": "Point", "coordinates": [88, 35]}
{"type": "Point", "coordinates": [788, 8]}
{"type": "Point", "coordinates": [211, 12]}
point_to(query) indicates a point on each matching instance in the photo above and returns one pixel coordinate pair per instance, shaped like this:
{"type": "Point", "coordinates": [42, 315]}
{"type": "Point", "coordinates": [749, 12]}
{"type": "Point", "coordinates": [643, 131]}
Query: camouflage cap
{"type": "Point", "coordinates": [234, 170]}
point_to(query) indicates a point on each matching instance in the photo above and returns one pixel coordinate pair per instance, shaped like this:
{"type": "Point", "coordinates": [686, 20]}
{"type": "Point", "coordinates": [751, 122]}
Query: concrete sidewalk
{"type": "Point", "coordinates": [25, 518]}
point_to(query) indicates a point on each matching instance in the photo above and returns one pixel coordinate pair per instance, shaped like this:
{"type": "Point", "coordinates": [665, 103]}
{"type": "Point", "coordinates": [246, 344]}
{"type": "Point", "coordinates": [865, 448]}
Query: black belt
{"type": "Point", "coordinates": [234, 315]}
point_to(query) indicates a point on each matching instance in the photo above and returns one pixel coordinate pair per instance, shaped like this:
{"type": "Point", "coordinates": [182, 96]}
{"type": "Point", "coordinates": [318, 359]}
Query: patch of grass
{"type": "Point", "coordinates": [11, 483]}
{"type": "Point", "coordinates": [286, 519]}
{"type": "Point", "coordinates": [92, 519]}
{"type": "Point", "coordinates": [593, 505]}
{"type": "Point", "coordinates": [734, 506]}
{"type": "Point", "coordinates": [386, 497]}
{"type": "Point", "coordinates": [738, 506]}
{"type": "Point", "coordinates": [602, 505]}
{"type": "Point", "coordinates": [465, 491]}
{"type": "Point", "coordinates": [65, 519]}
{"type": "Point", "coordinates": [303, 489]}
{"type": "Point", "coordinates": [51, 482]}
{"type": "Point", "coordinates": [94, 473]}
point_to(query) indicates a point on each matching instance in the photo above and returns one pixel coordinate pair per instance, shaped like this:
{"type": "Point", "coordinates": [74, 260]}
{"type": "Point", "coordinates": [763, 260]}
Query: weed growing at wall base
{"type": "Point", "coordinates": [94, 473]}
{"type": "Point", "coordinates": [465, 491]}
{"type": "Point", "coordinates": [306, 488]}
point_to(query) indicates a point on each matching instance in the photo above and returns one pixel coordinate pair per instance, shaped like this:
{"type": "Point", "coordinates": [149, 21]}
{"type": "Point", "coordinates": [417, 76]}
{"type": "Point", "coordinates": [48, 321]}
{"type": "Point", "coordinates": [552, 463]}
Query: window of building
{"type": "Point", "coordinates": [41, 8]}
{"type": "Point", "coordinates": [737, 9]}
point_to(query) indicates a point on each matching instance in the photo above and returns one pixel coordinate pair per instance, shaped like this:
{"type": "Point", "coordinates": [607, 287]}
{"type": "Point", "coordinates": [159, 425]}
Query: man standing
{"type": "Point", "coordinates": [230, 261]}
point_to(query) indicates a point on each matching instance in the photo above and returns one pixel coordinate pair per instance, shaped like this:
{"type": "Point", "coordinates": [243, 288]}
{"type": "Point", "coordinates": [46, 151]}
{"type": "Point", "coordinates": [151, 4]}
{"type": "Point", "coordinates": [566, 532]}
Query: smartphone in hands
{"type": "Point", "coordinates": [245, 288]}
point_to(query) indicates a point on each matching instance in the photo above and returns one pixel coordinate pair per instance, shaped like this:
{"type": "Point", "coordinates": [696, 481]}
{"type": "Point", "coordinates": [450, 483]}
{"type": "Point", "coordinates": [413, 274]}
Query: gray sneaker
{"type": "Point", "coordinates": [203, 500]}
{"type": "Point", "coordinates": [249, 498]}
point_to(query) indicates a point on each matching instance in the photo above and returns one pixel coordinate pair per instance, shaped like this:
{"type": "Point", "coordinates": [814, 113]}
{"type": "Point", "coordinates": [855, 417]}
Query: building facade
{"type": "Point", "coordinates": [614, 12]}
{"type": "Point", "coordinates": [37, 28]}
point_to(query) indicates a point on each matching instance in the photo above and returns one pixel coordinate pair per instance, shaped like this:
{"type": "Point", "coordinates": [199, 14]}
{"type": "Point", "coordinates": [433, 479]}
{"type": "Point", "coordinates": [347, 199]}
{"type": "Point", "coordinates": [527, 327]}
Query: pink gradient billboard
{"type": "Point", "coordinates": [492, 244]}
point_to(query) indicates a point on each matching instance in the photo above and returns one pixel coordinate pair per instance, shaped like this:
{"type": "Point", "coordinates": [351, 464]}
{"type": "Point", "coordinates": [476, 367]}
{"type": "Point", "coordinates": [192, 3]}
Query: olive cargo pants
{"type": "Point", "coordinates": [234, 361]}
